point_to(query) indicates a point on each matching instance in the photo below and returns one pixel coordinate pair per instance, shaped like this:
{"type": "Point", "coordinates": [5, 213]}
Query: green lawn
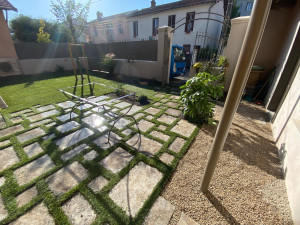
{"type": "Point", "coordinates": [24, 92]}
{"type": "Point", "coordinates": [21, 92]}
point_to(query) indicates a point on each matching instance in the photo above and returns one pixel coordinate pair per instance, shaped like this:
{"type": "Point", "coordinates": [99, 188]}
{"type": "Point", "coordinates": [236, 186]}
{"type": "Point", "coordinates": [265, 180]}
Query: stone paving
{"type": "Point", "coordinates": [80, 172]}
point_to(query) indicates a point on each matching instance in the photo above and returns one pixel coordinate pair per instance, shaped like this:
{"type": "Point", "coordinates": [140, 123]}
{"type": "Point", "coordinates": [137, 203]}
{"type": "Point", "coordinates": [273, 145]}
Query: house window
{"type": "Point", "coordinates": [95, 31]}
{"type": "Point", "coordinates": [135, 29]}
{"type": "Point", "coordinates": [120, 28]}
{"type": "Point", "coordinates": [249, 6]}
{"type": "Point", "coordinates": [155, 26]}
{"type": "Point", "coordinates": [171, 21]}
{"type": "Point", "coordinates": [189, 25]}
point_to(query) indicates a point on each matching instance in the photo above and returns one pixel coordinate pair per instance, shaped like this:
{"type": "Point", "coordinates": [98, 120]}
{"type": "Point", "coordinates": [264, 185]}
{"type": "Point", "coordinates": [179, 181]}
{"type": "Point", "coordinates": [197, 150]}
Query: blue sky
{"type": "Point", "coordinates": [41, 8]}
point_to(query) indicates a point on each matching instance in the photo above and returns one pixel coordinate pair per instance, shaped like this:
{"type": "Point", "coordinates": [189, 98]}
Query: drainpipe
{"type": "Point", "coordinates": [246, 58]}
{"type": "Point", "coordinates": [208, 22]}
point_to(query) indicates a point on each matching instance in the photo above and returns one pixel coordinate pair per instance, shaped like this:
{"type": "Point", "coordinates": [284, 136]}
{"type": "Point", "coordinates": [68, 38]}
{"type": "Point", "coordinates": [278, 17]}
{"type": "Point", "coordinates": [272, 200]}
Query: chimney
{"type": "Point", "coordinates": [99, 15]}
{"type": "Point", "coordinates": [153, 3]}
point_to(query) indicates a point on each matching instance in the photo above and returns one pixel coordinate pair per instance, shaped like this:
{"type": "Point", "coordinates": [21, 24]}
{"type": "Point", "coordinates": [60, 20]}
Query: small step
{"type": "Point", "coordinates": [3, 105]}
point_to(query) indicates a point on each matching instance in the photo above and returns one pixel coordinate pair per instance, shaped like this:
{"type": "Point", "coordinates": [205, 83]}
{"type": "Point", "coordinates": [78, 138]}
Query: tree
{"type": "Point", "coordinates": [73, 15]}
{"type": "Point", "coordinates": [42, 36]}
{"type": "Point", "coordinates": [234, 10]}
{"type": "Point", "coordinates": [25, 29]}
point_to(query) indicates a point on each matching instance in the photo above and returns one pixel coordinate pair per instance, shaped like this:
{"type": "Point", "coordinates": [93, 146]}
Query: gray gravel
{"type": "Point", "coordinates": [248, 185]}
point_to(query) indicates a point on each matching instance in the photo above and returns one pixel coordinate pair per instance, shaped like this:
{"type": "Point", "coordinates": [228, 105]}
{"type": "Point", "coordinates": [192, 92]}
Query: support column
{"type": "Point", "coordinates": [165, 37]}
{"type": "Point", "coordinates": [249, 49]}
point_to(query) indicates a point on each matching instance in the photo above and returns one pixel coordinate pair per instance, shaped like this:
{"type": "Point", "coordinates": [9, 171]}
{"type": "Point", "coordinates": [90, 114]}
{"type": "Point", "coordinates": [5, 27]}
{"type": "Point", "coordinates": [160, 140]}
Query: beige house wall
{"type": "Point", "coordinates": [7, 49]}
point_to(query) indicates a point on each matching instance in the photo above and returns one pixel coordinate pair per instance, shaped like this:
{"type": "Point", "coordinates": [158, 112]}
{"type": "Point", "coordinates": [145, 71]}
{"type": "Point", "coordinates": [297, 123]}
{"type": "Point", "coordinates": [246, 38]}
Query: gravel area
{"type": "Point", "coordinates": [248, 185]}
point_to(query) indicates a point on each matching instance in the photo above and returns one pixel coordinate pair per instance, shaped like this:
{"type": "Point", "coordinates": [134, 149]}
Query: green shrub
{"type": "Point", "coordinates": [197, 95]}
{"type": "Point", "coordinates": [59, 69]}
{"type": "Point", "coordinates": [120, 90]}
{"type": "Point", "coordinates": [107, 63]}
{"type": "Point", "coordinates": [143, 99]}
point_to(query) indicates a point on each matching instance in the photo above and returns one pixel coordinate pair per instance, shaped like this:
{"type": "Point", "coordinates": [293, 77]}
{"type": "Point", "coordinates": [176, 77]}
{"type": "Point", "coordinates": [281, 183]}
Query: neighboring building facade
{"type": "Point", "coordinates": [108, 29]}
{"type": "Point", "coordinates": [245, 7]}
{"type": "Point", "coordinates": [143, 23]}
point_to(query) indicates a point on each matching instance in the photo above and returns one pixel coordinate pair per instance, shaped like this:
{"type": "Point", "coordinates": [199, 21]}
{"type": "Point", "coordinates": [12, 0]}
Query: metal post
{"type": "Point", "coordinates": [246, 58]}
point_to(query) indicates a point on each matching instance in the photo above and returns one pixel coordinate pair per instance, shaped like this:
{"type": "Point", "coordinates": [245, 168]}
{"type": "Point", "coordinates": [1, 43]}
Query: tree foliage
{"type": "Point", "coordinates": [42, 36]}
{"type": "Point", "coordinates": [73, 15]}
{"type": "Point", "coordinates": [25, 29]}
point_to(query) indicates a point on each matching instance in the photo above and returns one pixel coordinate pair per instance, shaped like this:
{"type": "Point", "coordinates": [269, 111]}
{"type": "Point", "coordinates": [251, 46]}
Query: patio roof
{"type": "Point", "coordinates": [6, 5]}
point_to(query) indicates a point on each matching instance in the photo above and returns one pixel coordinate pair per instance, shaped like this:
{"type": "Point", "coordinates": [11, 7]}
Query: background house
{"type": "Point", "coordinates": [245, 7]}
{"type": "Point", "coordinates": [8, 56]}
{"type": "Point", "coordinates": [108, 29]}
{"type": "Point", "coordinates": [143, 23]}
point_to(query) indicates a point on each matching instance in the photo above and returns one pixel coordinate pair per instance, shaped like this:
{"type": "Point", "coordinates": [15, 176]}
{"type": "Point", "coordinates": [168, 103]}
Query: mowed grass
{"type": "Point", "coordinates": [20, 92]}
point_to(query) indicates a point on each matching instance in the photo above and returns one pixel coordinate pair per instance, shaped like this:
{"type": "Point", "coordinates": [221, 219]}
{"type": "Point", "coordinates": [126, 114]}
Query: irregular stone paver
{"type": "Point", "coordinates": [2, 181]}
{"type": "Point", "coordinates": [66, 104]}
{"type": "Point", "coordinates": [164, 100]}
{"type": "Point", "coordinates": [16, 119]}
{"type": "Point", "coordinates": [160, 213]}
{"type": "Point", "coordinates": [177, 145]}
{"type": "Point", "coordinates": [3, 143]}
{"type": "Point", "coordinates": [166, 119]}
{"type": "Point", "coordinates": [3, 212]}
{"type": "Point", "coordinates": [122, 105]}
{"type": "Point", "coordinates": [73, 138]}
{"type": "Point", "coordinates": [102, 141]}
{"type": "Point", "coordinates": [133, 110]}
{"type": "Point", "coordinates": [66, 117]}
{"type": "Point", "coordinates": [145, 125]}
{"type": "Point", "coordinates": [127, 132]}
{"type": "Point", "coordinates": [98, 99]}
{"type": "Point", "coordinates": [157, 104]}
{"type": "Point", "coordinates": [176, 97]}
{"type": "Point", "coordinates": [173, 112]}
{"type": "Point", "coordinates": [172, 104]}
{"type": "Point", "coordinates": [20, 112]}
{"type": "Point", "coordinates": [98, 183]}
{"type": "Point", "coordinates": [130, 193]}
{"type": "Point", "coordinates": [152, 111]}
{"type": "Point", "coordinates": [147, 145]}
{"type": "Point", "coordinates": [79, 211]}
{"type": "Point", "coordinates": [67, 126]}
{"type": "Point", "coordinates": [121, 123]}
{"type": "Point", "coordinates": [70, 154]}
{"type": "Point", "coordinates": [11, 130]}
{"type": "Point", "coordinates": [166, 158]}
{"type": "Point", "coordinates": [185, 220]}
{"type": "Point", "coordinates": [50, 124]}
{"type": "Point", "coordinates": [99, 109]}
{"type": "Point", "coordinates": [138, 115]}
{"type": "Point", "coordinates": [8, 158]}
{"type": "Point", "coordinates": [149, 117]}
{"type": "Point", "coordinates": [66, 178]}
{"type": "Point", "coordinates": [94, 121]}
{"type": "Point", "coordinates": [34, 169]}
{"type": "Point", "coordinates": [38, 215]}
{"type": "Point", "coordinates": [33, 149]}
{"type": "Point", "coordinates": [34, 133]}
{"type": "Point", "coordinates": [116, 160]}
{"type": "Point", "coordinates": [159, 95]}
{"type": "Point", "coordinates": [87, 113]}
{"type": "Point", "coordinates": [91, 155]}
{"type": "Point", "coordinates": [159, 135]}
{"type": "Point", "coordinates": [184, 128]}
{"type": "Point", "coordinates": [48, 137]}
{"type": "Point", "coordinates": [162, 127]}
{"type": "Point", "coordinates": [26, 196]}
{"type": "Point", "coordinates": [43, 115]}
{"type": "Point", "coordinates": [42, 122]}
{"type": "Point", "coordinates": [84, 106]}
{"type": "Point", "coordinates": [45, 108]}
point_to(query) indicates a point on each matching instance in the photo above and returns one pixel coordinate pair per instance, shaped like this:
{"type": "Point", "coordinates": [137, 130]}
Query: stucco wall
{"type": "Point", "coordinates": [37, 66]}
{"type": "Point", "coordinates": [286, 131]}
{"type": "Point", "coordinates": [180, 37]}
{"type": "Point", "coordinates": [234, 44]}
{"type": "Point", "coordinates": [7, 49]}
